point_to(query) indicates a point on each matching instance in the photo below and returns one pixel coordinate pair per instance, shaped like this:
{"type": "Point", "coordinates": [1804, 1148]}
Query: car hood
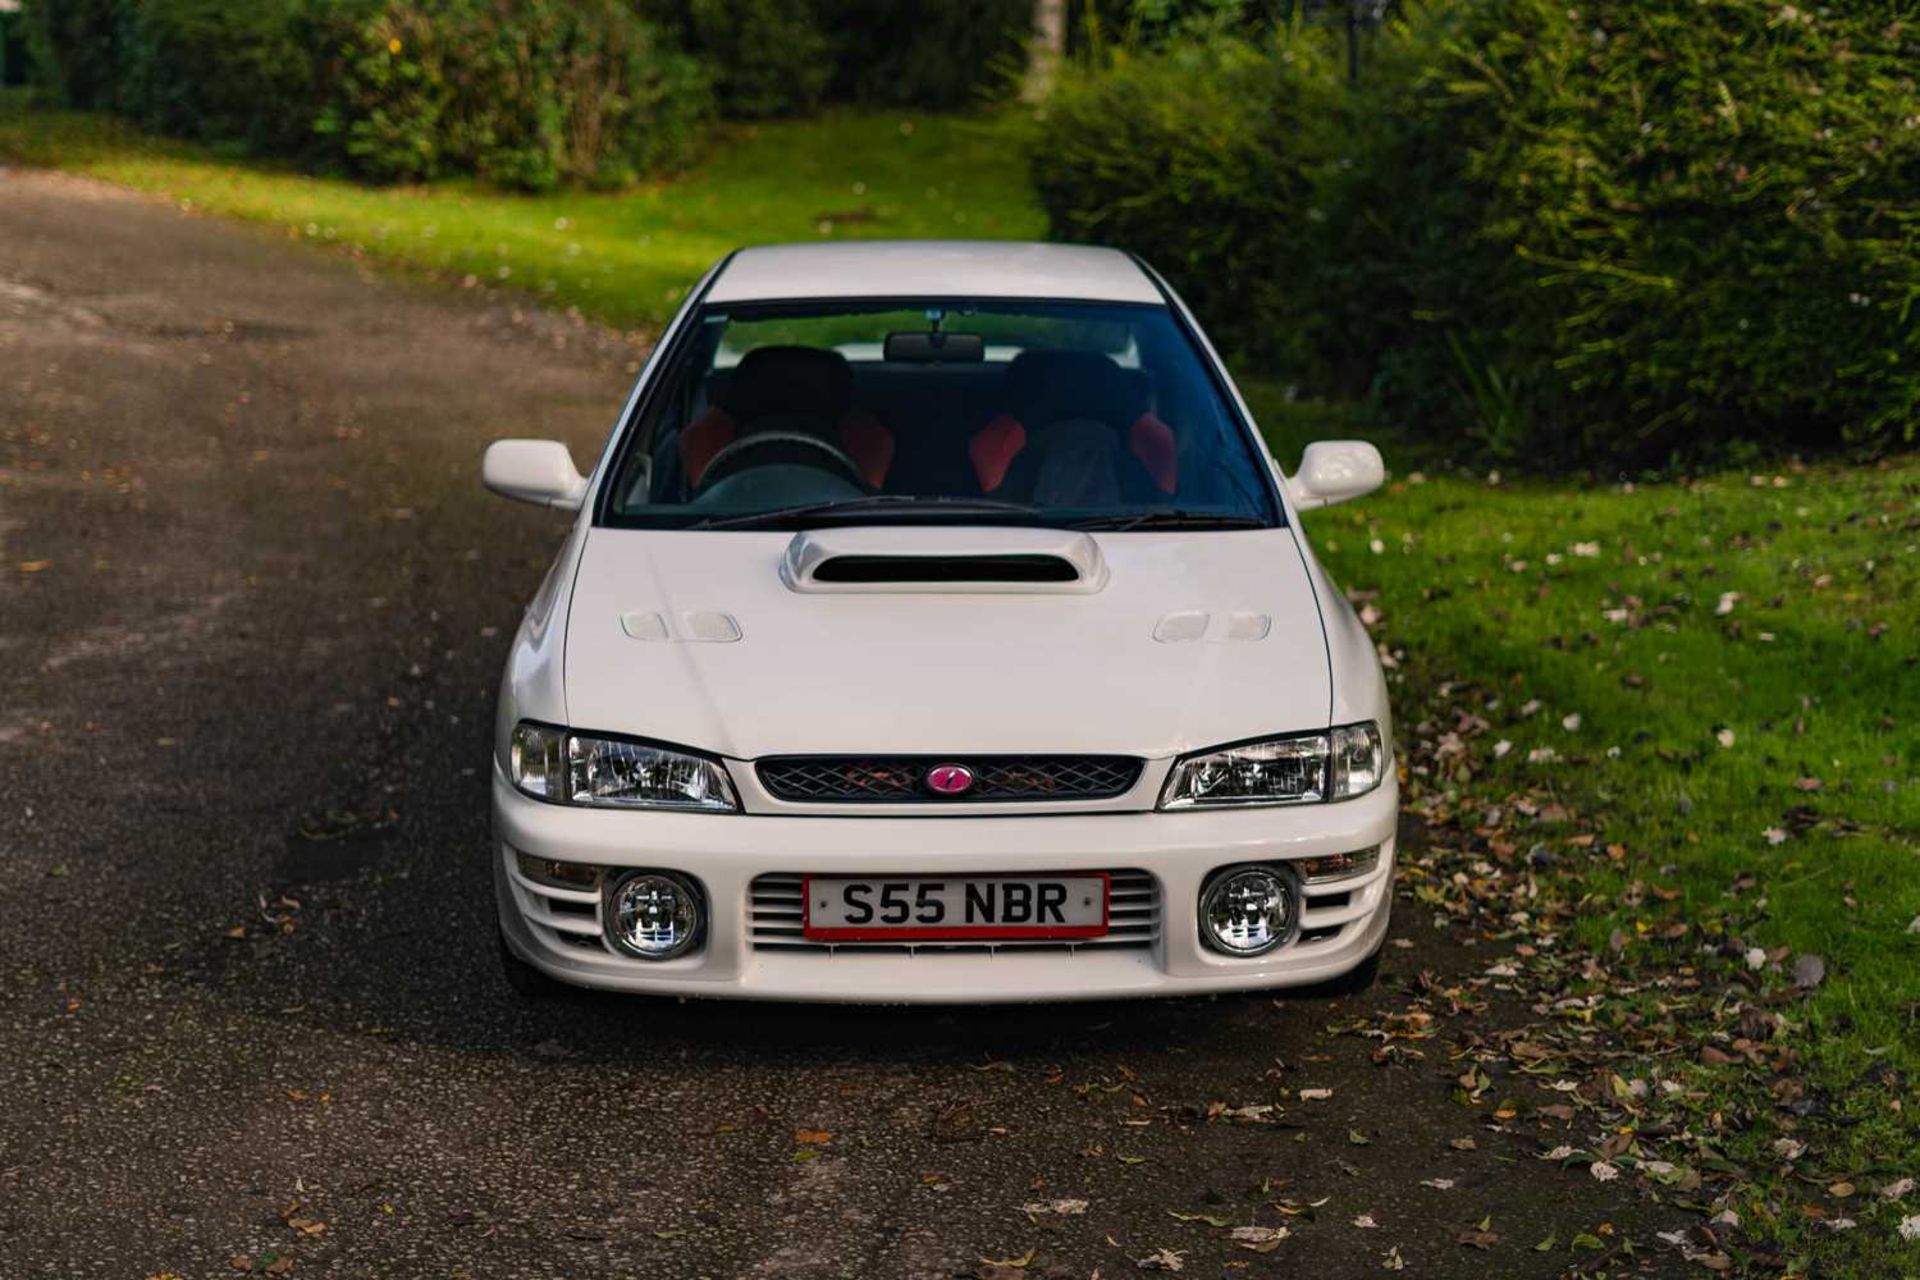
{"type": "Point", "coordinates": [1166, 642]}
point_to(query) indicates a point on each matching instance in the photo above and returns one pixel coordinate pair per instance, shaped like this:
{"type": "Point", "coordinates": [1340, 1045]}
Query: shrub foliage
{"type": "Point", "coordinates": [1609, 234]}
{"type": "Point", "coordinates": [524, 93]}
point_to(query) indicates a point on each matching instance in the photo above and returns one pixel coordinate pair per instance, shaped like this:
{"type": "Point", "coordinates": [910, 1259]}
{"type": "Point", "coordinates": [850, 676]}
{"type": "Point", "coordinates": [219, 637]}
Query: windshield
{"type": "Point", "coordinates": [1084, 415]}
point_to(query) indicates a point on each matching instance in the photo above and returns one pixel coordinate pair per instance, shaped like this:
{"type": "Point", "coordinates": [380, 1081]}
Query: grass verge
{"type": "Point", "coordinates": [624, 258]}
{"type": "Point", "coordinates": [1663, 740]}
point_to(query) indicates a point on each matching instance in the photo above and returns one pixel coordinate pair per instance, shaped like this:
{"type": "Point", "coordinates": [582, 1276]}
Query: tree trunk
{"type": "Point", "coordinates": [1047, 49]}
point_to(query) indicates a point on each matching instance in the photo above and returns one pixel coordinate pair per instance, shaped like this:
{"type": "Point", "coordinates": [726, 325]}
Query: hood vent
{"type": "Point", "coordinates": [898, 558]}
{"type": "Point", "coordinates": [946, 569]}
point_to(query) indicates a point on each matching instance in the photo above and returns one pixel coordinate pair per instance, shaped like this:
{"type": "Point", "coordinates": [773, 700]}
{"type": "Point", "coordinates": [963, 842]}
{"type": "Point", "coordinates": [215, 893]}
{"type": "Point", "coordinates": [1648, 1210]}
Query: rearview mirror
{"type": "Point", "coordinates": [1335, 470]}
{"type": "Point", "coordinates": [536, 471]}
{"type": "Point", "coordinates": [935, 348]}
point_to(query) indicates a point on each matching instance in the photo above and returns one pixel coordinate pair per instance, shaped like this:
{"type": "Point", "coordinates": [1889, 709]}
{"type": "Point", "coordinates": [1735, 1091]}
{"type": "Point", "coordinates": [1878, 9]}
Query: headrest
{"type": "Point", "coordinates": [1051, 386]}
{"type": "Point", "coordinates": [788, 380]}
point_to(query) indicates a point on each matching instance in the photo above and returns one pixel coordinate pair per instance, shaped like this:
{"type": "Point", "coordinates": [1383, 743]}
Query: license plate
{"type": "Point", "coordinates": [954, 908]}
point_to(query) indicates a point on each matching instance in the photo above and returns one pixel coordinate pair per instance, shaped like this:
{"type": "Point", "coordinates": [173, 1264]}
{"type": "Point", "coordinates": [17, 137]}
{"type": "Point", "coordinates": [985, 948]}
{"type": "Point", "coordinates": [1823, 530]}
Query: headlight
{"type": "Point", "coordinates": [555, 764]}
{"type": "Point", "coordinates": [1301, 769]}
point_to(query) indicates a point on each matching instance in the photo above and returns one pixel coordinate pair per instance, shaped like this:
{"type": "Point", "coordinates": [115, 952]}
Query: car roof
{"type": "Point", "coordinates": [933, 269]}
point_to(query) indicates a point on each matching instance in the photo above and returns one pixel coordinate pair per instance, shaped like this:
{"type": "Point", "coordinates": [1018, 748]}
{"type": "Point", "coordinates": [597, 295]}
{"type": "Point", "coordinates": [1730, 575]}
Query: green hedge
{"type": "Point", "coordinates": [528, 94]}
{"type": "Point", "coordinates": [523, 93]}
{"type": "Point", "coordinates": [1200, 158]}
{"type": "Point", "coordinates": [787, 57]}
{"type": "Point", "coordinates": [947, 56]}
{"type": "Point", "coordinates": [768, 57]}
{"type": "Point", "coordinates": [1615, 234]}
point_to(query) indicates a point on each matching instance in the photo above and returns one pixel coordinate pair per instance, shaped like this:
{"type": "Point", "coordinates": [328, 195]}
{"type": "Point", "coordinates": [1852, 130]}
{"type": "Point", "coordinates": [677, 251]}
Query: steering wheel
{"type": "Point", "coordinates": [727, 460]}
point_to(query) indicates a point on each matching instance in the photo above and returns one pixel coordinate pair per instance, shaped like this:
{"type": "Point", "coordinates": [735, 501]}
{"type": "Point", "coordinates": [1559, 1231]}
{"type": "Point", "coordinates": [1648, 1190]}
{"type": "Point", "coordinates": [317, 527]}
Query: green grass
{"type": "Point", "coordinates": [1740, 652]}
{"type": "Point", "coordinates": [1600, 602]}
{"type": "Point", "coordinates": [624, 258]}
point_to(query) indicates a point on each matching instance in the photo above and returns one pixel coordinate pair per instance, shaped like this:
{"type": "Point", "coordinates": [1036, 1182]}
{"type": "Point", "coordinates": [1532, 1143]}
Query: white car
{"type": "Point", "coordinates": [935, 626]}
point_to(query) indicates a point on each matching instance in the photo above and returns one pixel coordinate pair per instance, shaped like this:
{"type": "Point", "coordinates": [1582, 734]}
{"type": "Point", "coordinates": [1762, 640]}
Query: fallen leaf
{"type": "Point", "coordinates": [1258, 1239]}
{"type": "Point", "coordinates": [1358, 1138]}
{"type": "Point", "coordinates": [1016, 1263]}
{"type": "Point", "coordinates": [33, 566]}
{"type": "Point", "coordinates": [1365, 1222]}
{"type": "Point", "coordinates": [1602, 1171]}
{"type": "Point", "coordinates": [1315, 1095]}
{"type": "Point", "coordinates": [1438, 1184]}
{"type": "Point", "coordinates": [1477, 1239]}
{"type": "Point", "coordinates": [1064, 1208]}
{"type": "Point", "coordinates": [1463, 1144]}
{"type": "Point", "coordinates": [1392, 1261]}
{"type": "Point", "coordinates": [813, 1137]}
{"type": "Point", "coordinates": [1161, 1260]}
{"type": "Point", "coordinates": [1211, 1219]}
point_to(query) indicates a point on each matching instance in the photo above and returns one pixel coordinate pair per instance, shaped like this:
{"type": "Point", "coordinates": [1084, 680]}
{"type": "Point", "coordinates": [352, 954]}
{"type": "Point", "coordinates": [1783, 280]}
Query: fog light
{"type": "Point", "coordinates": [653, 915]}
{"type": "Point", "coordinates": [1247, 911]}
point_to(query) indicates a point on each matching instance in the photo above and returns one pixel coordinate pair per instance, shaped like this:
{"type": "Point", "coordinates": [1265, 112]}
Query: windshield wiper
{"type": "Point", "coordinates": [1170, 518]}
{"type": "Point", "coordinates": [890, 503]}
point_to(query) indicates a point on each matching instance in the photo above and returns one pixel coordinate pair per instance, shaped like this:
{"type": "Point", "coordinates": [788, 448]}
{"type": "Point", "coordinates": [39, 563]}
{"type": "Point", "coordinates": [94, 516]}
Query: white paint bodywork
{"type": "Point", "coordinates": [933, 268]}
{"type": "Point", "coordinates": [720, 640]}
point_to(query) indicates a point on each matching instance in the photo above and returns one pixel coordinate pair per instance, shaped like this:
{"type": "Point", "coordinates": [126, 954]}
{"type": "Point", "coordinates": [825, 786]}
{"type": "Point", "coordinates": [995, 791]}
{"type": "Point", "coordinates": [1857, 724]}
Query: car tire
{"type": "Point", "coordinates": [527, 982]}
{"type": "Point", "coordinates": [1355, 980]}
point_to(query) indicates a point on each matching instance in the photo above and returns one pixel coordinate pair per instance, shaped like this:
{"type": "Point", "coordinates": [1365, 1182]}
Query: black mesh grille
{"type": "Point", "coordinates": [903, 779]}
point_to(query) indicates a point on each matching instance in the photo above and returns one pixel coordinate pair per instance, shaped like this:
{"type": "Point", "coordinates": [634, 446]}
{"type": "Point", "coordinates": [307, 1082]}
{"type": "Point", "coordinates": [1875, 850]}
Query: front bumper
{"type": "Point", "coordinates": [554, 930]}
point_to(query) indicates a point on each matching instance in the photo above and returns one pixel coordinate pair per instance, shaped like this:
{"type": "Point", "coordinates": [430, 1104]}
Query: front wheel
{"type": "Point", "coordinates": [1355, 980]}
{"type": "Point", "coordinates": [527, 982]}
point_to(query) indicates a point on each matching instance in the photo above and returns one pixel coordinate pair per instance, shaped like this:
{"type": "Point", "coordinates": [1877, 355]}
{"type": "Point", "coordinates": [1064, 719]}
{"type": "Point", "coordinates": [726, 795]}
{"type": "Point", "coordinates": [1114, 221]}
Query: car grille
{"type": "Point", "coordinates": [1133, 921]}
{"type": "Point", "coordinates": [902, 779]}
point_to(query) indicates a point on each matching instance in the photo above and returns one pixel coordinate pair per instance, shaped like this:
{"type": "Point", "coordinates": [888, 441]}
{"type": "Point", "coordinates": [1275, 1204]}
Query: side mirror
{"type": "Point", "coordinates": [1335, 470]}
{"type": "Point", "coordinates": [536, 471]}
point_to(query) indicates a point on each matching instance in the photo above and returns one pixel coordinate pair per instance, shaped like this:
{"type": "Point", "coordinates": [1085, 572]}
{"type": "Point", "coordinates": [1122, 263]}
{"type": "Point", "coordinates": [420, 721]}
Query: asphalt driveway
{"type": "Point", "coordinates": [252, 607]}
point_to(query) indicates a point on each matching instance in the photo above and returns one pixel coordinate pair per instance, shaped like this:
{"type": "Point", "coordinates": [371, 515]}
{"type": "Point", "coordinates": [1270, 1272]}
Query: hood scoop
{"type": "Point", "coordinates": [945, 561]}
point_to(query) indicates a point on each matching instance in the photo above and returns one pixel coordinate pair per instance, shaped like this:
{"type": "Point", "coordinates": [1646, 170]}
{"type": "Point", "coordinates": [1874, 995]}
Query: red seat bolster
{"type": "Point", "coordinates": [1153, 444]}
{"type": "Point", "coordinates": [868, 443]}
{"type": "Point", "coordinates": [993, 449]}
{"type": "Point", "coordinates": [705, 436]}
